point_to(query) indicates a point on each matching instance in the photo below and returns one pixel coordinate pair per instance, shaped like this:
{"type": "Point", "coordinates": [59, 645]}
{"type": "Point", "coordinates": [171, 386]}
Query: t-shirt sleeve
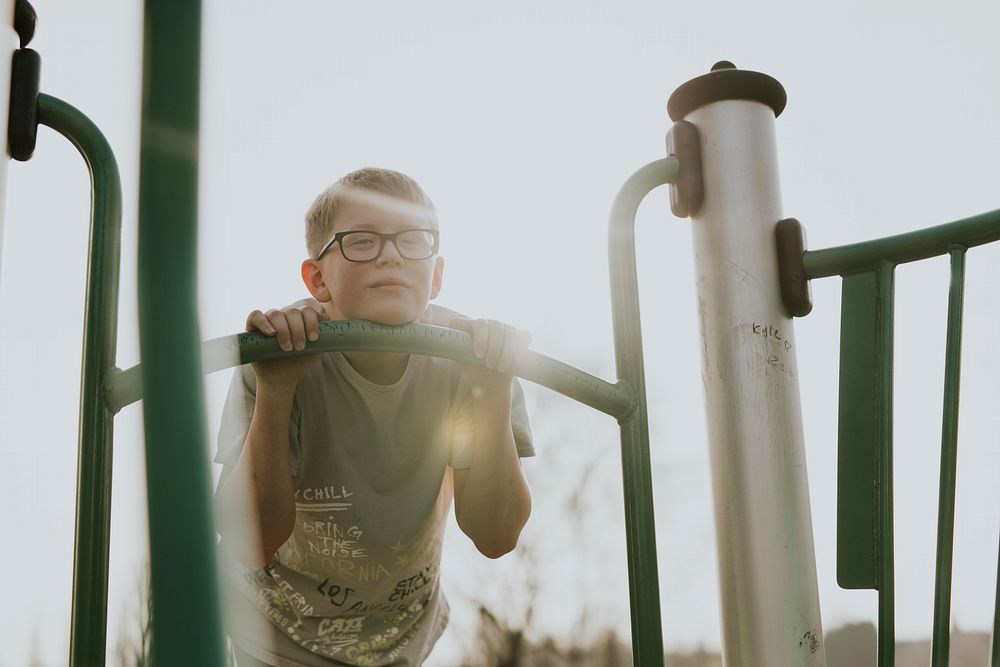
{"type": "Point", "coordinates": [463, 430]}
{"type": "Point", "coordinates": [235, 424]}
{"type": "Point", "coordinates": [519, 422]}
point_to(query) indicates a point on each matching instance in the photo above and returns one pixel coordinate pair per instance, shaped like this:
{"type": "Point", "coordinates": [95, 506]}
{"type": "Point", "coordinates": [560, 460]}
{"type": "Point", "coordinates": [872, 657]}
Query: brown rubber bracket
{"type": "Point", "coordinates": [688, 192]}
{"type": "Point", "coordinates": [795, 291]}
{"type": "Point", "coordinates": [22, 124]}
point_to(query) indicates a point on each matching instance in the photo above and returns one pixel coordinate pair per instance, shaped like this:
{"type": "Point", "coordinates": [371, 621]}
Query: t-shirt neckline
{"type": "Point", "coordinates": [362, 382]}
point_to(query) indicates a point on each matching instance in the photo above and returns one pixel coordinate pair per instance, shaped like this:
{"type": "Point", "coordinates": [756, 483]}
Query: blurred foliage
{"type": "Point", "coordinates": [135, 642]}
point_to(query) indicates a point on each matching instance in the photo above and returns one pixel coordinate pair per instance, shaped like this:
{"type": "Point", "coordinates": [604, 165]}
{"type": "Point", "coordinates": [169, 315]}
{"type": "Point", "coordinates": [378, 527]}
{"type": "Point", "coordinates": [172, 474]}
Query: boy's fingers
{"type": "Point", "coordinates": [311, 319]}
{"type": "Point", "coordinates": [296, 327]}
{"type": "Point", "coordinates": [315, 306]}
{"type": "Point", "coordinates": [257, 321]}
{"type": "Point", "coordinates": [509, 350]}
{"type": "Point", "coordinates": [520, 348]}
{"type": "Point", "coordinates": [480, 332]}
{"type": "Point", "coordinates": [280, 325]}
{"type": "Point", "coordinates": [515, 345]}
{"type": "Point", "coordinates": [494, 343]}
{"type": "Point", "coordinates": [460, 323]}
{"type": "Point", "coordinates": [523, 341]}
{"type": "Point", "coordinates": [499, 345]}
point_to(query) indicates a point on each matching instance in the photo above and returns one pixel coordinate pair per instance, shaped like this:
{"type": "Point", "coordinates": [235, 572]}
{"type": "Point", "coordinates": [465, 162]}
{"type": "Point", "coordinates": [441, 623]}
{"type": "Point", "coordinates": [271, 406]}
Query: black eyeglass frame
{"type": "Point", "coordinates": [339, 236]}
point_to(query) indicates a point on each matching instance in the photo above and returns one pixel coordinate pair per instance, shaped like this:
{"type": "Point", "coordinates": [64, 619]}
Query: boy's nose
{"type": "Point", "coordinates": [389, 253]}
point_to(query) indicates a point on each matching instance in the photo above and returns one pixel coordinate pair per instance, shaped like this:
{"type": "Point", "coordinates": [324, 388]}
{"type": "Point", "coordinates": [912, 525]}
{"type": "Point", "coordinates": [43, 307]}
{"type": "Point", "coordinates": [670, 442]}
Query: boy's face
{"type": "Point", "coordinates": [388, 289]}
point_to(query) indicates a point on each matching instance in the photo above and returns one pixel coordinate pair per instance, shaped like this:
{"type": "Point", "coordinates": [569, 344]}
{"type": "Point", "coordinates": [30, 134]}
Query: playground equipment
{"type": "Point", "coordinates": [752, 276]}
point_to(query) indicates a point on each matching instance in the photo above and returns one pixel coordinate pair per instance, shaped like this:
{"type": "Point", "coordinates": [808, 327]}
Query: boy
{"type": "Point", "coordinates": [339, 469]}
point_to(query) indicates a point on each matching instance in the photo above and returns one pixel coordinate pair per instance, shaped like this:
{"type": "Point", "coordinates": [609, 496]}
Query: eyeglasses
{"type": "Point", "coordinates": [365, 246]}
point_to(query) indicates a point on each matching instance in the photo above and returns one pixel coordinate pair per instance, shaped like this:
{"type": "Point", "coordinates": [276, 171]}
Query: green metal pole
{"type": "Point", "coordinates": [88, 630]}
{"type": "Point", "coordinates": [187, 629]}
{"type": "Point", "coordinates": [941, 638]}
{"type": "Point", "coordinates": [644, 593]}
{"type": "Point", "coordinates": [886, 555]}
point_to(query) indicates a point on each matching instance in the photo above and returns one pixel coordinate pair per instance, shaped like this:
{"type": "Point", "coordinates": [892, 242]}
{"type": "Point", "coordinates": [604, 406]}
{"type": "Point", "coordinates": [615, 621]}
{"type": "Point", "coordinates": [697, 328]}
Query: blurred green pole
{"type": "Point", "coordinates": [186, 617]}
{"type": "Point", "coordinates": [88, 630]}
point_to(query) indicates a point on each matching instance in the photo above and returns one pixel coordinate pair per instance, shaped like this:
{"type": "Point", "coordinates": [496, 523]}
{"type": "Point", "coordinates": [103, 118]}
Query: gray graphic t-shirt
{"type": "Point", "coordinates": [358, 581]}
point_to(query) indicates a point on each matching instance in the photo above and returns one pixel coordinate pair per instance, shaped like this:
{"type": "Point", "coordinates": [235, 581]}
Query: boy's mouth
{"type": "Point", "coordinates": [389, 282]}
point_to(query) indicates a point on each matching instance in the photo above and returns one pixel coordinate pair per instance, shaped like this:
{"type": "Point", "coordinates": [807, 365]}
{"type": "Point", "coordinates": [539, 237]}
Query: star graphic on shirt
{"type": "Point", "coordinates": [397, 547]}
{"type": "Point", "coordinates": [402, 561]}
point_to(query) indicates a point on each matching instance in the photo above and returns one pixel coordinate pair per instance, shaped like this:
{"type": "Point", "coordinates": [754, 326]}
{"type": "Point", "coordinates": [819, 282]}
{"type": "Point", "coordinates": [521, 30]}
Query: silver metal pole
{"type": "Point", "coordinates": [767, 563]}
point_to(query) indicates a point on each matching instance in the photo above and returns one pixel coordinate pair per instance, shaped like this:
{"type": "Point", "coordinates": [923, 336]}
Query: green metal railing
{"type": "Point", "coordinates": [865, 555]}
{"type": "Point", "coordinates": [186, 611]}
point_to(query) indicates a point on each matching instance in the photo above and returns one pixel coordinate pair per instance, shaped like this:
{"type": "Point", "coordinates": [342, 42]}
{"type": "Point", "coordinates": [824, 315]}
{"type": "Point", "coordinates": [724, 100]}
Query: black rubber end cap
{"type": "Point", "coordinates": [725, 82]}
{"type": "Point", "coordinates": [25, 20]}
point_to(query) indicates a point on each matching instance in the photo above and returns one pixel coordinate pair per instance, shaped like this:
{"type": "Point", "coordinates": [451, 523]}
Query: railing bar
{"type": "Point", "coordinates": [941, 638]}
{"type": "Point", "coordinates": [124, 387]}
{"type": "Point", "coordinates": [903, 248]}
{"type": "Point", "coordinates": [886, 578]}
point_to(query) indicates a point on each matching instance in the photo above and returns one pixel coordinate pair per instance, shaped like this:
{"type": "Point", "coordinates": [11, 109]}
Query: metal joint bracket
{"type": "Point", "coordinates": [635, 402]}
{"type": "Point", "coordinates": [795, 290]}
{"type": "Point", "coordinates": [688, 191]}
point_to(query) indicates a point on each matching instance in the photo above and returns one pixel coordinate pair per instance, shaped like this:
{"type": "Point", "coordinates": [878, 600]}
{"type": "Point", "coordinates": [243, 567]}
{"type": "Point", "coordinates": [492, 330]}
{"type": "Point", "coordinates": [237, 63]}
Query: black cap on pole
{"type": "Point", "coordinates": [725, 82]}
{"type": "Point", "coordinates": [25, 19]}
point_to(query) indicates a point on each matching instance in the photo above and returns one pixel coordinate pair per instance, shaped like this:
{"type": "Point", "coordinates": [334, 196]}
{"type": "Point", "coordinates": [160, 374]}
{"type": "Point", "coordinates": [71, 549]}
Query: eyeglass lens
{"type": "Point", "coordinates": [364, 246]}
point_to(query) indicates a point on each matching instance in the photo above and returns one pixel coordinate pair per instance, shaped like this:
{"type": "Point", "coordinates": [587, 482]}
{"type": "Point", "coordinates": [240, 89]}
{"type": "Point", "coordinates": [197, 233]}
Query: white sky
{"type": "Point", "coordinates": [521, 121]}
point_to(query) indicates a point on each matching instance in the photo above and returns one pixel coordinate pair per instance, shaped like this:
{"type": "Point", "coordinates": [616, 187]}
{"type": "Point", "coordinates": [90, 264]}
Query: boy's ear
{"type": "Point", "coordinates": [312, 276]}
{"type": "Point", "coordinates": [437, 277]}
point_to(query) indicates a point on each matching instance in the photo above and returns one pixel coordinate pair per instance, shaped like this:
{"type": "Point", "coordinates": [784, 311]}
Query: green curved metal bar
{"type": "Point", "coordinates": [125, 387]}
{"type": "Point", "coordinates": [903, 248]}
{"type": "Point", "coordinates": [88, 634]}
{"type": "Point", "coordinates": [640, 535]}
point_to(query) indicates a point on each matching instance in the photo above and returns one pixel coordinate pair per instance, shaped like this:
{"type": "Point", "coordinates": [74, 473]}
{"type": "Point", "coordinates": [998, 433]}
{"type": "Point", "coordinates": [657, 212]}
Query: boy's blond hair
{"type": "Point", "coordinates": [394, 184]}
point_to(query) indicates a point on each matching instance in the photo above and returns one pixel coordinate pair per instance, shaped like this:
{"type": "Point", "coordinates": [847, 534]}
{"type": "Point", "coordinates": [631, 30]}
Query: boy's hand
{"type": "Point", "coordinates": [291, 325]}
{"type": "Point", "coordinates": [499, 345]}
